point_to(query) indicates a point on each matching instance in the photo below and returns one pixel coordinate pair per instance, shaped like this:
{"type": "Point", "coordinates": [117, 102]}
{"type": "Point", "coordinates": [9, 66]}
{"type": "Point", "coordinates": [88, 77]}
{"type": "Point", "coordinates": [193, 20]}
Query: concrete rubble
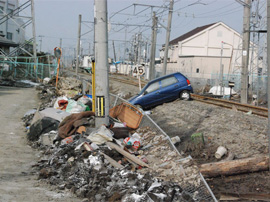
{"type": "Point", "coordinates": [106, 164]}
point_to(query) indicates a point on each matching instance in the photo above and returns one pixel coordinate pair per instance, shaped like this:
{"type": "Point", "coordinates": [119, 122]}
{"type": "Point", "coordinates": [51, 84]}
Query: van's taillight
{"type": "Point", "coordinates": [188, 82]}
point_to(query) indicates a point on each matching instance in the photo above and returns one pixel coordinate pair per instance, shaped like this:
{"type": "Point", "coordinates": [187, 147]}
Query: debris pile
{"type": "Point", "coordinates": [119, 162]}
{"type": "Point", "coordinates": [90, 175]}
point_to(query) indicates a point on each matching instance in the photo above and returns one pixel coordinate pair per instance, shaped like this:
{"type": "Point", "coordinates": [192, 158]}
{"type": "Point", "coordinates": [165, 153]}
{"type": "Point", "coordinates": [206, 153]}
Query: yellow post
{"type": "Point", "coordinates": [93, 87]}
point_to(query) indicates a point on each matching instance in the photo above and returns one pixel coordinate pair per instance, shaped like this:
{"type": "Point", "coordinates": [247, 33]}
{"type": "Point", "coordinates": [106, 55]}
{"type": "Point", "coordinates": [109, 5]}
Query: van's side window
{"type": "Point", "coordinates": [168, 81]}
{"type": "Point", "coordinates": [152, 87]}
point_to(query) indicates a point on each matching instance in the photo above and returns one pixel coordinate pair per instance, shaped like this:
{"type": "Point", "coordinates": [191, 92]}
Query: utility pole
{"type": "Point", "coordinates": [6, 11]}
{"type": "Point", "coordinates": [268, 74]}
{"type": "Point", "coordinates": [114, 56]}
{"type": "Point", "coordinates": [40, 42]}
{"type": "Point", "coordinates": [221, 70]}
{"type": "Point", "coordinates": [145, 53]}
{"type": "Point", "coordinates": [34, 33]}
{"type": "Point", "coordinates": [153, 47]}
{"type": "Point", "coordinates": [78, 44]}
{"type": "Point", "coordinates": [245, 52]}
{"type": "Point", "coordinates": [102, 66]}
{"type": "Point", "coordinates": [89, 48]}
{"type": "Point", "coordinates": [60, 43]}
{"type": "Point", "coordinates": [139, 48]}
{"type": "Point", "coordinates": [167, 38]}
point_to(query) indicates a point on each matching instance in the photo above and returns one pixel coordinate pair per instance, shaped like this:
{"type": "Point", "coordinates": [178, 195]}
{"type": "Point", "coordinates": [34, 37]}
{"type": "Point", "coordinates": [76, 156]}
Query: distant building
{"type": "Point", "coordinates": [197, 53]}
{"type": "Point", "coordinates": [11, 28]}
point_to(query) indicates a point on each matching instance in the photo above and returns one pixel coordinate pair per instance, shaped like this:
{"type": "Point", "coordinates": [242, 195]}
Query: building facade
{"type": "Point", "coordinates": [11, 25]}
{"type": "Point", "coordinates": [205, 51]}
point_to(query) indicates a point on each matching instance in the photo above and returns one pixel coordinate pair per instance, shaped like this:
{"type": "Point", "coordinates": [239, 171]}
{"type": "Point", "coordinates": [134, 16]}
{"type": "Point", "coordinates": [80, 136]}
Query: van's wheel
{"type": "Point", "coordinates": [185, 95]}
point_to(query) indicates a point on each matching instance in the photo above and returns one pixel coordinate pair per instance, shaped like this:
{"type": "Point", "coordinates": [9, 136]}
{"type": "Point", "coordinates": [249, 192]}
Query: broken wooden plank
{"type": "Point", "coordinates": [249, 196]}
{"type": "Point", "coordinates": [233, 167]}
{"type": "Point", "coordinates": [112, 161]}
{"type": "Point", "coordinates": [126, 154]}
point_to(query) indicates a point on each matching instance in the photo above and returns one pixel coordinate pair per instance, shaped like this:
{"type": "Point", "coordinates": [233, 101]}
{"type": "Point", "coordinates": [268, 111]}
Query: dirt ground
{"type": "Point", "coordinates": [18, 181]}
{"type": "Point", "coordinates": [242, 134]}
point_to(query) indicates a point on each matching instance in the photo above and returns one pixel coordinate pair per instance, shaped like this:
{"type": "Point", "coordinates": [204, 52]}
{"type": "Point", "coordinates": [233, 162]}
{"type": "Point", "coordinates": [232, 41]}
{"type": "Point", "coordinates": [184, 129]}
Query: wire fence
{"type": "Point", "coordinates": [26, 69]}
{"type": "Point", "coordinates": [202, 191]}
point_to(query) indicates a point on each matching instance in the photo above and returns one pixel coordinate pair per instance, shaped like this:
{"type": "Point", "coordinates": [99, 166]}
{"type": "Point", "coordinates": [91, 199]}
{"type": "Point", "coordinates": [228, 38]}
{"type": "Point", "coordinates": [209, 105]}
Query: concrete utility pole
{"type": "Point", "coordinates": [152, 71]}
{"type": "Point", "coordinates": [245, 52]}
{"type": "Point", "coordinates": [168, 33]}
{"type": "Point", "coordinates": [114, 56]}
{"type": "Point", "coordinates": [34, 32]}
{"type": "Point", "coordinates": [268, 73]}
{"type": "Point", "coordinates": [139, 48]}
{"type": "Point", "coordinates": [102, 66]}
{"type": "Point", "coordinates": [40, 42]}
{"type": "Point", "coordinates": [60, 43]}
{"type": "Point", "coordinates": [221, 70]}
{"type": "Point", "coordinates": [78, 44]}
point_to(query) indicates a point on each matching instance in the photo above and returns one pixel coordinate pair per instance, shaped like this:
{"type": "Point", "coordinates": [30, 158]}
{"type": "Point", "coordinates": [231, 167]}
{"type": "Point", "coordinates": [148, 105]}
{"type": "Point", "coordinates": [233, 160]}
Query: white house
{"type": "Point", "coordinates": [200, 52]}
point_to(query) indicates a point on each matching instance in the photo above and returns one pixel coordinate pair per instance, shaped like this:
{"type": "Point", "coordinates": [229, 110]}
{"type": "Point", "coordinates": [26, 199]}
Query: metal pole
{"type": "Point", "coordinates": [114, 56]}
{"type": "Point", "coordinates": [153, 48]}
{"type": "Point", "coordinates": [268, 73]}
{"type": "Point", "coordinates": [61, 43]}
{"type": "Point", "coordinates": [139, 48]}
{"type": "Point", "coordinates": [6, 12]}
{"type": "Point", "coordinates": [34, 34]}
{"type": "Point", "coordinates": [245, 53]}
{"type": "Point", "coordinates": [125, 45]}
{"type": "Point", "coordinates": [221, 70]}
{"type": "Point", "coordinates": [258, 83]}
{"type": "Point", "coordinates": [167, 38]}
{"type": "Point", "coordinates": [78, 44]}
{"type": "Point", "coordinates": [93, 87]}
{"type": "Point", "coordinates": [102, 66]}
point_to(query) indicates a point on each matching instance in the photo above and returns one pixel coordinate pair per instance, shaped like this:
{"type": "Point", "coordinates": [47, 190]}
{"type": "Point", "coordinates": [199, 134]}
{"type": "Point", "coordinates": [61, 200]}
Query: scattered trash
{"type": "Point", "coordinates": [216, 90]}
{"type": "Point", "coordinates": [56, 114]}
{"type": "Point", "coordinates": [133, 141]}
{"type": "Point", "coordinates": [101, 135]}
{"type": "Point", "coordinates": [127, 114]}
{"type": "Point", "coordinates": [44, 125]}
{"type": "Point", "coordinates": [249, 112]}
{"type": "Point", "coordinates": [176, 139]}
{"type": "Point", "coordinates": [47, 138]}
{"type": "Point", "coordinates": [72, 122]}
{"type": "Point", "coordinates": [46, 80]}
{"type": "Point", "coordinates": [221, 151]}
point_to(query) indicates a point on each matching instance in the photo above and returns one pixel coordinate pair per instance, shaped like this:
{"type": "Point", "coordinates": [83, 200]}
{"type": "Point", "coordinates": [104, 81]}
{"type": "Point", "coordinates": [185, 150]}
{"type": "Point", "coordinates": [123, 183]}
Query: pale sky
{"type": "Point", "coordinates": [57, 19]}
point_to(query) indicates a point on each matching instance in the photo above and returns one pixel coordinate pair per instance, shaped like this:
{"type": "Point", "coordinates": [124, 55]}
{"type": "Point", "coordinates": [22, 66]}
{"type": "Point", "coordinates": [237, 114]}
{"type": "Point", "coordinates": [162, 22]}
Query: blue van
{"type": "Point", "coordinates": [163, 89]}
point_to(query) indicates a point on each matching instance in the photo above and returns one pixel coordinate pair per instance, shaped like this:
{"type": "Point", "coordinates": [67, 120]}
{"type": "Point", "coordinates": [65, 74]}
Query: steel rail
{"type": "Point", "coordinates": [261, 111]}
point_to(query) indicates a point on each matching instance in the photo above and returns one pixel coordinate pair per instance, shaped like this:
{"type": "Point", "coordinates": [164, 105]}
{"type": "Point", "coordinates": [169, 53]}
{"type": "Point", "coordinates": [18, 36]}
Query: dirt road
{"type": "Point", "coordinates": [18, 182]}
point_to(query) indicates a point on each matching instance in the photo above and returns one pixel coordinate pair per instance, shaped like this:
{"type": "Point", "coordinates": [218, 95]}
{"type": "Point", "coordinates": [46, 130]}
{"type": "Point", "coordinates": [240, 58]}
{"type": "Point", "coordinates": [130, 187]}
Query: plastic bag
{"type": "Point", "coordinates": [56, 105]}
{"type": "Point", "coordinates": [75, 107]}
{"type": "Point", "coordinates": [134, 141]}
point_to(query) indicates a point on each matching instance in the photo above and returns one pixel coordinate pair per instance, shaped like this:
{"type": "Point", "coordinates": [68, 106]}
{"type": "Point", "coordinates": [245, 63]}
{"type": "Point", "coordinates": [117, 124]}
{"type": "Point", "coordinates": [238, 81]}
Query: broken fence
{"type": "Point", "coordinates": [199, 193]}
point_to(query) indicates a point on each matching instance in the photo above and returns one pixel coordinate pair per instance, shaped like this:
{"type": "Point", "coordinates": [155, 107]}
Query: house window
{"type": "Point", "coordinates": [197, 70]}
{"type": "Point", "coordinates": [9, 36]}
{"type": "Point", "coordinates": [1, 9]}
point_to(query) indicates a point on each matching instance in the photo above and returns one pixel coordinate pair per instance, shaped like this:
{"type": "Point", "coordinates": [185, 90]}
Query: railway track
{"type": "Point", "coordinates": [260, 111]}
